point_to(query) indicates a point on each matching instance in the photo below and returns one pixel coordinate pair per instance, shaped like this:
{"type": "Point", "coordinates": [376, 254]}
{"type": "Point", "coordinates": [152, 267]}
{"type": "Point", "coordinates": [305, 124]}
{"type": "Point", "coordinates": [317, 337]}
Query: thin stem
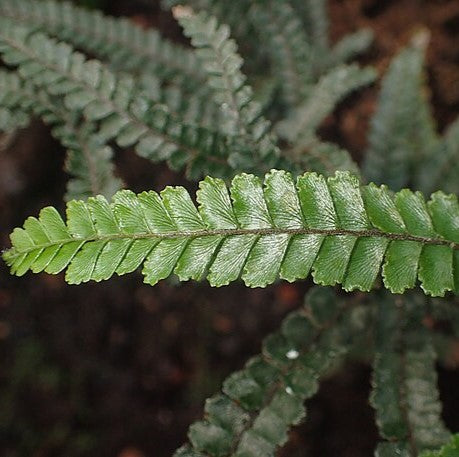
{"type": "Point", "coordinates": [259, 232]}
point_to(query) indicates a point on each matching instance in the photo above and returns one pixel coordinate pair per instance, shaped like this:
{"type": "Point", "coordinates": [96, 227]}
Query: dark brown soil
{"type": "Point", "coordinates": [120, 368]}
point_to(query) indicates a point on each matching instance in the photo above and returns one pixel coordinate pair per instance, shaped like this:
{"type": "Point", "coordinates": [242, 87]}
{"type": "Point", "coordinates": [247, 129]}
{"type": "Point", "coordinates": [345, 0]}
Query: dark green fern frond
{"type": "Point", "coordinates": [11, 121]}
{"type": "Point", "coordinates": [324, 56]}
{"type": "Point", "coordinates": [350, 46]}
{"type": "Point", "coordinates": [402, 132]}
{"type": "Point", "coordinates": [242, 114]}
{"type": "Point", "coordinates": [89, 160]}
{"type": "Point", "coordinates": [322, 157]}
{"type": "Point", "coordinates": [341, 231]}
{"type": "Point", "coordinates": [12, 116]}
{"type": "Point", "coordinates": [261, 402]}
{"type": "Point", "coordinates": [441, 167]}
{"type": "Point", "coordinates": [315, 17]}
{"type": "Point", "coordinates": [113, 102]}
{"type": "Point", "coordinates": [288, 49]}
{"type": "Point", "coordinates": [120, 42]}
{"type": "Point", "coordinates": [300, 127]}
{"type": "Point", "coordinates": [405, 393]}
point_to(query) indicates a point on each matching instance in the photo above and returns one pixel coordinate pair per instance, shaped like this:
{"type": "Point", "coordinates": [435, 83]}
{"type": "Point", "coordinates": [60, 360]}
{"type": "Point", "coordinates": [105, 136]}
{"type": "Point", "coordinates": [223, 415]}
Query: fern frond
{"type": "Point", "coordinates": [279, 26]}
{"type": "Point", "coordinates": [123, 44]}
{"type": "Point", "coordinates": [316, 20]}
{"type": "Point", "coordinates": [337, 229]}
{"type": "Point", "coordinates": [405, 393]}
{"type": "Point", "coordinates": [122, 113]}
{"type": "Point", "coordinates": [12, 116]}
{"type": "Point", "coordinates": [402, 132]}
{"type": "Point", "coordinates": [262, 401]}
{"type": "Point", "coordinates": [89, 160]}
{"type": "Point", "coordinates": [450, 449]}
{"type": "Point", "coordinates": [300, 127]}
{"type": "Point", "coordinates": [11, 121]}
{"type": "Point", "coordinates": [441, 167]}
{"type": "Point", "coordinates": [242, 114]}
{"type": "Point", "coordinates": [350, 46]}
{"type": "Point", "coordinates": [322, 157]}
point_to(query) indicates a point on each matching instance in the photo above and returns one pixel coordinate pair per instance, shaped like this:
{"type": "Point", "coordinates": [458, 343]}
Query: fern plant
{"type": "Point", "coordinates": [313, 214]}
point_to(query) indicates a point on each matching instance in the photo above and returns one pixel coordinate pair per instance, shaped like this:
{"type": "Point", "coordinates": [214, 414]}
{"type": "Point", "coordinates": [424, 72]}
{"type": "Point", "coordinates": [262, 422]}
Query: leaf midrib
{"type": "Point", "coordinates": [192, 234]}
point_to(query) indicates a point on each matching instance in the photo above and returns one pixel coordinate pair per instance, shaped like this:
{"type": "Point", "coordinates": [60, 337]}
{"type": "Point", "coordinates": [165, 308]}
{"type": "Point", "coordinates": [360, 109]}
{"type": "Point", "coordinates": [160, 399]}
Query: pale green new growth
{"type": "Point", "coordinates": [340, 231]}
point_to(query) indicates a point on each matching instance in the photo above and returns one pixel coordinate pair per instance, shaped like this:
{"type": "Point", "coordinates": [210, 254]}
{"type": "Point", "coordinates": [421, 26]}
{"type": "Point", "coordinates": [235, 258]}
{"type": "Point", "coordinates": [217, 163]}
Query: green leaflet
{"type": "Point", "coordinates": [300, 126]}
{"type": "Point", "coordinates": [341, 231]}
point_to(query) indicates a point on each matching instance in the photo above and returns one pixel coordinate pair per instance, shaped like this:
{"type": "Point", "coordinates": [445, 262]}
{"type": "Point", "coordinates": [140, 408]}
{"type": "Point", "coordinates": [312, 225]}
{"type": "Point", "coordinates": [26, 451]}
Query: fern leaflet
{"type": "Point", "coordinates": [88, 158]}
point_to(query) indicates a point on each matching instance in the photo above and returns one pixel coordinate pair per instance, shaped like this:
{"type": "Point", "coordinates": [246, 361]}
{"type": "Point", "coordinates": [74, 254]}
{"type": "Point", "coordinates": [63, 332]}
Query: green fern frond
{"type": "Point", "coordinates": [262, 401]}
{"type": "Point", "coordinates": [450, 449]}
{"type": "Point", "coordinates": [300, 127]}
{"type": "Point", "coordinates": [123, 44]}
{"type": "Point", "coordinates": [11, 121]}
{"type": "Point", "coordinates": [12, 116]}
{"type": "Point", "coordinates": [192, 109]}
{"type": "Point", "coordinates": [405, 393]}
{"type": "Point", "coordinates": [122, 113]}
{"type": "Point", "coordinates": [350, 46]}
{"type": "Point", "coordinates": [89, 160]}
{"type": "Point", "coordinates": [288, 48]}
{"type": "Point", "coordinates": [341, 231]}
{"type": "Point", "coordinates": [441, 167]}
{"type": "Point", "coordinates": [322, 157]}
{"type": "Point", "coordinates": [242, 114]}
{"type": "Point", "coordinates": [316, 20]}
{"type": "Point", "coordinates": [402, 133]}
